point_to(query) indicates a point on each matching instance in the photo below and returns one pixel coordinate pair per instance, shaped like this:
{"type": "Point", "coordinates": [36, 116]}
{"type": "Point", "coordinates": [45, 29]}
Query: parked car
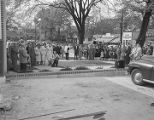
{"type": "Point", "coordinates": [142, 71]}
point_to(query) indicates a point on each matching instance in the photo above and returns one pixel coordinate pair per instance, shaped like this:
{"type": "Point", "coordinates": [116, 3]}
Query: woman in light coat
{"type": "Point", "coordinates": [50, 54]}
{"type": "Point", "coordinates": [43, 54]}
{"type": "Point", "coordinates": [23, 57]}
{"type": "Point", "coordinates": [38, 54]}
{"type": "Point", "coordinates": [136, 53]}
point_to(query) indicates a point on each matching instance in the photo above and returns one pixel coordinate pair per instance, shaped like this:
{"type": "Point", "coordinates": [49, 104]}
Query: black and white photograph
{"type": "Point", "coordinates": [76, 60]}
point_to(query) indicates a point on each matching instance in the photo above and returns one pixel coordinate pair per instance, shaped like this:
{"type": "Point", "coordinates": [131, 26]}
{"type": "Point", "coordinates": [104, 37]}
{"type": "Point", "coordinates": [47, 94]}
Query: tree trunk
{"type": "Point", "coordinates": [142, 35]}
{"type": "Point", "coordinates": [81, 35]}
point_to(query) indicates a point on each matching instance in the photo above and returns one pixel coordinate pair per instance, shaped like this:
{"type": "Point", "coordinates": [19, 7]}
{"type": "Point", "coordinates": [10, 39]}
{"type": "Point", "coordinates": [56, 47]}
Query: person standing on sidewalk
{"type": "Point", "coordinates": [50, 54]}
{"type": "Point", "coordinates": [62, 51]}
{"type": "Point", "coordinates": [14, 50]}
{"type": "Point", "coordinates": [127, 57]}
{"type": "Point", "coordinates": [43, 54]}
{"type": "Point", "coordinates": [76, 52]}
{"type": "Point", "coordinates": [67, 52]}
{"type": "Point", "coordinates": [118, 52]}
{"type": "Point", "coordinates": [92, 51]}
{"type": "Point", "coordinates": [55, 59]}
{"type": "Point", "coordinates": [23, 57]}
{"type": "Point", "coordinates": [32, 54]}
{"type": "Point", "coordinates": [123, 52]}
{"type": "Point", "coordinates": [150, 49]}
{"type": "Point", "coordinates": [136, 52]}
{"type": "Point", "coordinates": [38, 54]}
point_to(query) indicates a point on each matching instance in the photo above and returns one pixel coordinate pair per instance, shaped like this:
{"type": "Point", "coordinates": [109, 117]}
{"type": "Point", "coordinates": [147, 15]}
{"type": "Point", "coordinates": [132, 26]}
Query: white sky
{"type": "Point", "coordinates": [29, 19]}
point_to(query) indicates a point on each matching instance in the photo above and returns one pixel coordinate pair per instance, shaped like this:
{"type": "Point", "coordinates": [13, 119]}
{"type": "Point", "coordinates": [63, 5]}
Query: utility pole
{"type": "Point", "coordinates": [121, 27]}
{"type": "Point", "coordinates": [3, 58]}
{"type": "Point", "coordinates": [35, 31]}
{"type": "Point", "coordinates": [35, 22]}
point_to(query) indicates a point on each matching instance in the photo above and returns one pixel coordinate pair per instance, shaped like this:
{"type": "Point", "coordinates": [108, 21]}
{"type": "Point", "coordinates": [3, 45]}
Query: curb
{"type": "Point", "coordinates": [61, 74]}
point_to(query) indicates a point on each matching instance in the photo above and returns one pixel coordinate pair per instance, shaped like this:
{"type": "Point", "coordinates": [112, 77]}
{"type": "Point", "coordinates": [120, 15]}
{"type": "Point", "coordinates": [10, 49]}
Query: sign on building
{"type": "Point", "coordinates": [127, 35]}
{"type": "Point", "coordinates": [150, 33]}
{"type": "Point", "coordinates": [127, 38]}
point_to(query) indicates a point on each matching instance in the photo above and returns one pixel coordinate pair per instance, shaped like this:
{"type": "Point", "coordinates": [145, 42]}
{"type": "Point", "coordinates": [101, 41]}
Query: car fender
{"type": "Point", "coordinates": [145, 68]}
{"type": "Point", "coordinates": [133, 66]}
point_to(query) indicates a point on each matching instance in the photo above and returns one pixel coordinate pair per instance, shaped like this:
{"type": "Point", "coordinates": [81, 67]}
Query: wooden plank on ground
{"type": "Point", "coordinates": [95, 115]}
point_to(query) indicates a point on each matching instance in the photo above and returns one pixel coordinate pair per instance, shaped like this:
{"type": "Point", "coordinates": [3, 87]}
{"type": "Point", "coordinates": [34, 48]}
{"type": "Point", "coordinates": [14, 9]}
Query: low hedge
{"type": "Point", "coordinates": [81, 68]}
{"type": "Point", "coordinates": [66, 69]}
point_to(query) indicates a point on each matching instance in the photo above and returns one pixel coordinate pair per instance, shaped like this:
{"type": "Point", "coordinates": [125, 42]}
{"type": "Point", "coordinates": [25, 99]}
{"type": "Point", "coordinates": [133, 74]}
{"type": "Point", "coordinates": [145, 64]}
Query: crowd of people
{"type": "Point", "coordinates": [23, 56]}
{"type": "Point", "coordinates": [112, 52]}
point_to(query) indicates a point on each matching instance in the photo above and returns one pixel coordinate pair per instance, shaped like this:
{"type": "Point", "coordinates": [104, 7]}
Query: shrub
{"type": "Point", "coordinates": [66, 69]}
{"type": "Point", "coordinates": [44, 70]}
{"type": "Point", "coordinates": [81, 68]}
{"type": "Point", "coordinates": [100, 67]}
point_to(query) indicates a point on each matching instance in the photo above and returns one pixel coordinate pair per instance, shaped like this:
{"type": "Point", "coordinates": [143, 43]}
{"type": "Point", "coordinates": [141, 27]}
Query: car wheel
{"type": "Point", "coordinates": [137, 77]}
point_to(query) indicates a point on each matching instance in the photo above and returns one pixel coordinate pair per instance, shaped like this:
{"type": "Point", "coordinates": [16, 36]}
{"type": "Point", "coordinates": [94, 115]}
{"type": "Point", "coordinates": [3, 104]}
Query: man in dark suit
{"type": "Point", "coordinates": [151, 50]}
{"type": "Point", "coordinates": [14, 55]}
{"type": "Point", "coordinates": [76, 52]}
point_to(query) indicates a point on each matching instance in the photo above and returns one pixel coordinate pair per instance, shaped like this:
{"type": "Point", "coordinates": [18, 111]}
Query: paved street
{"type": "Point", "coordinates": [147, 89]}
{"type": "Point", "coordinates": [121, 99]}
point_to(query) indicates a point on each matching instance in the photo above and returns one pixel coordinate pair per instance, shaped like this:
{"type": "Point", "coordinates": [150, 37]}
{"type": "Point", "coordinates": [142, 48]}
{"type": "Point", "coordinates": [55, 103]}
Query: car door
{"type": "Point", "coordinates": [148, 68]}
{"type": "Point", "coordinates": [152, 73]}
{"type": "Point", "coordinates": [152, 63]}
{"type": "Point", "coordinates": [147, 71]}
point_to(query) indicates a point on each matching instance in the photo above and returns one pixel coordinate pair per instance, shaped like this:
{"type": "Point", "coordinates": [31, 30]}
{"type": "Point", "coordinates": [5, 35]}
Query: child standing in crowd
{"type": "Point", "coordinates": [55, 59]}
{"type": "Point", "coordinates": [102, 55]}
